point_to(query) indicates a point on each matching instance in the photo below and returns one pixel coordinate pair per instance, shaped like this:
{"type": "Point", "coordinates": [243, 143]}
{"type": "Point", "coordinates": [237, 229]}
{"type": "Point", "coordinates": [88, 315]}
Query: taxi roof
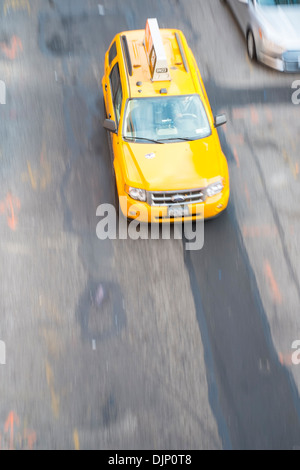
{"type": "Point", "coordinates": [181, 82]}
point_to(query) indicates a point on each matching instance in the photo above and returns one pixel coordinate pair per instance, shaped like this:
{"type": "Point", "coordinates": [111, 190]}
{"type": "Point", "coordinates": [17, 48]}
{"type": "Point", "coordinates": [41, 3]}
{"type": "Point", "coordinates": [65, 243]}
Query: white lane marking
{"type": "Point", "coordinates": [101, 10]}
{"type": "Point", "coordinates": [2, 92]}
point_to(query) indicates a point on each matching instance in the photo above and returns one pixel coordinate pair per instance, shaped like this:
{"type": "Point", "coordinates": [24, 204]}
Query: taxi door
{"type": "Point", "coordinates": [113, 97]}
{"type": "Point", "coordinates": [110, 59]}
{"type": "Point", "coordinates": [110, 87]}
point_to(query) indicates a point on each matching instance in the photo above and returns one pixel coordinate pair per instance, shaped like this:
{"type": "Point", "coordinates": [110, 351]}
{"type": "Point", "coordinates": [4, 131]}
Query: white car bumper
{"type": "Point", "coordinates": [289, 61]}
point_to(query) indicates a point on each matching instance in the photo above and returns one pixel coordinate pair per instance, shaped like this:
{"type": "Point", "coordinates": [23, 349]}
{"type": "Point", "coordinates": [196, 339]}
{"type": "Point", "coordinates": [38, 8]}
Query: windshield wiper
{"type": "Point", "coordinates": [186, 139]}
{"type": "Point", "coordinates": [143, 138]}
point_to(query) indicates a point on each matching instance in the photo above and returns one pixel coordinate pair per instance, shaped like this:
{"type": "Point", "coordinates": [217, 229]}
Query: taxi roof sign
{"type": "Point", "coordinates": [155, 51]}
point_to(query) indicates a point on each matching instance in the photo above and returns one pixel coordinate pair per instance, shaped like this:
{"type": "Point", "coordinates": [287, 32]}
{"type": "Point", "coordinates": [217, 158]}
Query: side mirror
{"type": "Point", "coordinates": [110, 125]}
{"type": "Point", "coordinates": [220, 120]}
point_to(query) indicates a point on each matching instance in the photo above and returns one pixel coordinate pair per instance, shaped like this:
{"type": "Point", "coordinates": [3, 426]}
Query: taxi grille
{"type": "Point", "coordinates": [171, 198]}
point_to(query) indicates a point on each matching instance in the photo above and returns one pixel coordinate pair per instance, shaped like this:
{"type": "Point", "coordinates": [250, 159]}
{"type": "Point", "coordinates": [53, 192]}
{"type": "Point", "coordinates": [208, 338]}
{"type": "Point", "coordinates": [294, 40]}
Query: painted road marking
{"type": "Point", "coordinates": [236, 157]}
{"type": "Point", "coordinates": [12, 50]}
{"type": "Point", "coordinates": [101, 10]}
{"type": "Point", "coordinates": [31, 176]}
{"type": "Point", "coordinates": [15, 436]}
{"type": "Point", "coordinates": [272, 282]}
{"type": "Point", "coordinates": [39, 178]}
{"type": "Point", "coordinates": [247, 194]}
{"type": "Point", "coordinates": [294, 145]}
{"type": "Point", "coordinates": [55, 243]}
{"type": "Point", "coordinates": [50, 309]}
{"type": "Point", "coordinates": [12, 419]}
{"type": "Point", "coordinates": [238, 113]}
{"type": "Point", "coordinates": [76, 439]}
{"type": "Point", "coordinates": [52, 342]}
{"type": "Point", "coordinates": [269, 115]}
{"type": "Point", "coordinates": [294, 168]}
{"type": "Point", "coordinates": [253, 231]}
{"type": "Point", "coordinates": [254, 115]}
{"type": "Point", "coordinates": [16, 5]}
{"type": "Point", "coordinates": [2, 92]}
{"type": "Point", "coordinates": [15, 248]}
{"type": "Point", "coordinates": [242, 113]}
{"type": "Point", "coordinates": [264, 365]}
{"type": "Point", "coordinates": [30, 436]}
{"type": "Point", "coordinates": [236, 139]}
{"type": "Point", "coordinates": [55, 401]}
{"type": "Point", "coordinates": [285, 359]}
{"type": "Point", "coordinates": [2, 353]}
{"type": "Point", "coordinates": [46, 168]}
{"type": "Point", "coordinates": [9, 206]}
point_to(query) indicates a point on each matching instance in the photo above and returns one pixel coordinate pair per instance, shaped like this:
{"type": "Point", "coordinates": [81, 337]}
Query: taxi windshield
{"type": "Point", "coordinates": [165, 118]}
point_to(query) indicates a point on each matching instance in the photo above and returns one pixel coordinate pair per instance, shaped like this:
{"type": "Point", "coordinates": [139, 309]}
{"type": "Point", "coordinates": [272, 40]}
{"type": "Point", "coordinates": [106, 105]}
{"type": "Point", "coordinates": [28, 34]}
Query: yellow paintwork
{"type": "Point", "coordinates": [176, 166]}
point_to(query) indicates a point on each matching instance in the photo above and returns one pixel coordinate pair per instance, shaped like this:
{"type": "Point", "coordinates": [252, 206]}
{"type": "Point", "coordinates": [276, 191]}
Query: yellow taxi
{"type": "Point", "coordinates": [167, 158]}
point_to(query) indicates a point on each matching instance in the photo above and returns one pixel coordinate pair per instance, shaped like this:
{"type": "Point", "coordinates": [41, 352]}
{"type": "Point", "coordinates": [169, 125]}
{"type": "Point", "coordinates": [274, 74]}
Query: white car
{"type": "Point", "coordinates": [272, 31]}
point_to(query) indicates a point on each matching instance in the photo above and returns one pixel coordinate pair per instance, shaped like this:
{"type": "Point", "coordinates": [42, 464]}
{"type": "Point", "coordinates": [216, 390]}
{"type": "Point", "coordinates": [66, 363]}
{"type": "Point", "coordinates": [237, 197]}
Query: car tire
{"type": "Point", "coordinates": [251, 47]}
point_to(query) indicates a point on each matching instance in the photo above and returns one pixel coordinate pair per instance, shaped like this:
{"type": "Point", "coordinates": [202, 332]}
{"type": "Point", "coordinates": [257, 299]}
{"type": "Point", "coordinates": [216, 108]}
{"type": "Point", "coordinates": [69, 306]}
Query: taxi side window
{"type": "Point", "coordinates": [112, 53]}
{"type": "Point", "coordinates": [116, 90]}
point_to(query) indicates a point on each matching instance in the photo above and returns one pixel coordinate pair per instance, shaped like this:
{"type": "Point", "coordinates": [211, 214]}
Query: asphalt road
{"type": "Point", "coordinates": [123, 344]}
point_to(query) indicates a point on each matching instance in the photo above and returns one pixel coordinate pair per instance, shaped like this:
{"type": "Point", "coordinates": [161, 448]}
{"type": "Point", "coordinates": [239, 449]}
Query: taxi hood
{"type": "Point", "coordinates": [173, 166]}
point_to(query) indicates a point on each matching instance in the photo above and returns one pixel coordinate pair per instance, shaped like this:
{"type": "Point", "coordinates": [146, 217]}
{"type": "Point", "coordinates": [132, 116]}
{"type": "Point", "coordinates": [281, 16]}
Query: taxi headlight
{"type": "Point", "coordinates": [214, 188]}
{"type": "Point", "coordinates": [136, 193]}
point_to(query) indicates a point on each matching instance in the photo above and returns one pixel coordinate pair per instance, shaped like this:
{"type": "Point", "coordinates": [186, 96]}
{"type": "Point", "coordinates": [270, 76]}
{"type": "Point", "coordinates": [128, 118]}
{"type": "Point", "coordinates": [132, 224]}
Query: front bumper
{"type": "Point", "coordinates": [212, 207]}
{"type": "Point", "coordinates": [289, 61]}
